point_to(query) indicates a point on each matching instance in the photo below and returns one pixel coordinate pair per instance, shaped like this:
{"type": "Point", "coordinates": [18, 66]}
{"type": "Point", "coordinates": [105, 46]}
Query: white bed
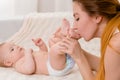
{"type": "Point", "coordinates": [40, 25]}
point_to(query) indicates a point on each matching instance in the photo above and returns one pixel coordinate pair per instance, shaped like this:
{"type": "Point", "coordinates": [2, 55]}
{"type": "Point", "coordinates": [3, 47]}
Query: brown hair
{"type": "Point", "coordinates": [110, 9]}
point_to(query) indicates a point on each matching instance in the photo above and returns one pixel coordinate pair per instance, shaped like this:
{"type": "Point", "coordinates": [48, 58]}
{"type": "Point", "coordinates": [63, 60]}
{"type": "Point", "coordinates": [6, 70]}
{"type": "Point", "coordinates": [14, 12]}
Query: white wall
{"type": "Point", "coordinates": [10, 9]}
{"type": "Point", "coordinates": [9, 26]}
{"type": "Point", "coordinates": [6, 7]}
{"type": "Point", "coordinates": [17, 7]}
{"type": "Point", "coordinates": [54, 5]}
{"type": "Point", "coordinates": [63, 5]}
{"type": "Point", "coordinates": [46, 6]}
{"type": "Point", "coordinates": [23, 7]}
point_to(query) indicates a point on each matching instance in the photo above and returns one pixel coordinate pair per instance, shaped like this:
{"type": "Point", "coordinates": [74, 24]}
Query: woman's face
{"type": "Point", "coordinates": [84, 24]}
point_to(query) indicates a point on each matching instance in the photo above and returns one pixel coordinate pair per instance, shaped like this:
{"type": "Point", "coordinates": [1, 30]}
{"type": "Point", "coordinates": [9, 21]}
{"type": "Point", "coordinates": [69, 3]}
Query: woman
{"type": "Point", "coordinates": [96, 18]}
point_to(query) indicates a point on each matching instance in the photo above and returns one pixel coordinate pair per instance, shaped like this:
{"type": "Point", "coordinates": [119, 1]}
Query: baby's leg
{"type": "Point", "coordinates": [57, 59]}
{"type": "Point", "coordinates": [65, 27]}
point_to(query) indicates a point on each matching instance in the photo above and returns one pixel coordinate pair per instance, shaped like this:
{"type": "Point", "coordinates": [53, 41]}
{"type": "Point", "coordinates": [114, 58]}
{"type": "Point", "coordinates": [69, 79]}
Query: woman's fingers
{"type": "Point", "coordinates": [68, 40]}
{"type": "Point", "coordinates": [67, 45]}
{"type": "Point", "coordinates": [71, 46]}
{"type": "Point", "coordinates": [53, 39]}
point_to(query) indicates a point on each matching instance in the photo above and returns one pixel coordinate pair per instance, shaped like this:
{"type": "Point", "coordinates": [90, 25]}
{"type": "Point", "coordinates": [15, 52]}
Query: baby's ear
{"type": "Point", "coordinates": [8, 63]}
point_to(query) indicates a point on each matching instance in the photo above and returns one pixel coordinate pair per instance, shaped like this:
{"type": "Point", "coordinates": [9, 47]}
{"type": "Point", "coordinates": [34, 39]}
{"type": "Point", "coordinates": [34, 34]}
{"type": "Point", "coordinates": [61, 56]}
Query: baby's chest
{"type": "Point", "coordinates": [40, 61]}
{"type": "Point", "coordinates": [40, 58]}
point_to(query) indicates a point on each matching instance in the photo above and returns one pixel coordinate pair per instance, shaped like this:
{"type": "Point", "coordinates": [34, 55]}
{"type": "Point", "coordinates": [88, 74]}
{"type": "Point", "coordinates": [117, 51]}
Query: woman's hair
{"type": "Point", "coordinates": [110, 9]}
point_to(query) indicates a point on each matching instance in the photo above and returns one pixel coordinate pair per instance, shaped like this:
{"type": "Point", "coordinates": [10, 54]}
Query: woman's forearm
{"type": "Point", "coordinates": [85, 68]}
{"type": "Point", "coordinates": [93, 60]}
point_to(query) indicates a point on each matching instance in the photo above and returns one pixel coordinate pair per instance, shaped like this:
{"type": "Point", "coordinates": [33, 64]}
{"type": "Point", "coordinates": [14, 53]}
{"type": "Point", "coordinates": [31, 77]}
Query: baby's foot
{"type": "Point", "coordinates": [65, 27]}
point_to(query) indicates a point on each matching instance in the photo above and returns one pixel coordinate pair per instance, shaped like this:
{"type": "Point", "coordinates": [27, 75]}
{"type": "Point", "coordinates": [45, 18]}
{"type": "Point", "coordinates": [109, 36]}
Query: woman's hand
{"type": "Point", "coordinates": [55, 37]}
{"type": "Point", "coordinates": [72, 47]}
{"type": "Point", "coordinates": [53, 40]}
{"type": "Point", "coordinates": [56, 48]}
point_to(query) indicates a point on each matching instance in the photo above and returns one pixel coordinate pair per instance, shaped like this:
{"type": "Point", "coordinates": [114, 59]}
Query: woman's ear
{"type": "Point", "coordinates": [8, 63]}
{"type": "Point", "coordinates": [98, 18]}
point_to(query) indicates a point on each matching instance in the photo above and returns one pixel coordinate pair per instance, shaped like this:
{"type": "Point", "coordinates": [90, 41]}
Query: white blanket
{"type": "Point", "coordinates": [42, 25]}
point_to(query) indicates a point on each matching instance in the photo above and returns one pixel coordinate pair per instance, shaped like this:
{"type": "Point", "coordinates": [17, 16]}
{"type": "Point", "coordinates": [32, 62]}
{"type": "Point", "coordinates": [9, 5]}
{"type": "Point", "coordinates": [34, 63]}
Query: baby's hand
{"type": "Point", "coordinates": [38, 41]}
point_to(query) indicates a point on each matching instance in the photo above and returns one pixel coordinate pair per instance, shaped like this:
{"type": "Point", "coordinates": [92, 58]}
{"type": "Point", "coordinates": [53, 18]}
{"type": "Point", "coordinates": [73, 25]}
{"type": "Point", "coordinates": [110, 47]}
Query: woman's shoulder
{"type": "Point", "coordinates": [115, 42]}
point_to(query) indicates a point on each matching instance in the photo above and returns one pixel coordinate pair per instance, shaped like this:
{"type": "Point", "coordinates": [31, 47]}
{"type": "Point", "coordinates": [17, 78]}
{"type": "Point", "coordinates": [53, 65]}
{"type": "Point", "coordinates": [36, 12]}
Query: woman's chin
{"type": "Point", "coordinates": [88, 39]}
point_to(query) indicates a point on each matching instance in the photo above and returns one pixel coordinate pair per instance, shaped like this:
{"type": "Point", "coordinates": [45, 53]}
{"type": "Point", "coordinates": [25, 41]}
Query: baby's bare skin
{"type": "Point", "coordinates": [28, 61]}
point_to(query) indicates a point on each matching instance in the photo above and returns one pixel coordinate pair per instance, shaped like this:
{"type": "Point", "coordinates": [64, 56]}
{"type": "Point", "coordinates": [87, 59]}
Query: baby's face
{"type": "Point", "coordinates": [12, 52]}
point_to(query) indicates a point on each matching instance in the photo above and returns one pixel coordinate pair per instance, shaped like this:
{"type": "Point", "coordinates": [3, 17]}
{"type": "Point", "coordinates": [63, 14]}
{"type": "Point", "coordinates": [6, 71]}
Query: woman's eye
{"type": "Point", "coordinates": [77, 19]}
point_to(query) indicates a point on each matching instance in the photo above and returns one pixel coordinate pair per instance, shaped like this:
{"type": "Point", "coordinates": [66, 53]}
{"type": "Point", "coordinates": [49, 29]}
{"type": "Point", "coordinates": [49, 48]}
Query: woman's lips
{"type": "Point", "coordinates": [76, 36]}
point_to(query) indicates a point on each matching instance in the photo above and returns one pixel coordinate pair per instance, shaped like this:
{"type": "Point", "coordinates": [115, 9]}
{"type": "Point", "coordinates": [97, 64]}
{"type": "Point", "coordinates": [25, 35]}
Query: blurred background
{"type": "Point", "coordinates": [13, 11]}
{"type": "Point", "coordinates": [23, 7]}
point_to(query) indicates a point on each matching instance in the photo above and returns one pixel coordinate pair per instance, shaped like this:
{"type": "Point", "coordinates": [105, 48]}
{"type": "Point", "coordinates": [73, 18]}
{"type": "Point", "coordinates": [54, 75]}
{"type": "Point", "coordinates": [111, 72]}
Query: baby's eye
{"type": "Point", "coordinates": [77, 19]}
{"type": "Point", "coordinates": [12, 49]}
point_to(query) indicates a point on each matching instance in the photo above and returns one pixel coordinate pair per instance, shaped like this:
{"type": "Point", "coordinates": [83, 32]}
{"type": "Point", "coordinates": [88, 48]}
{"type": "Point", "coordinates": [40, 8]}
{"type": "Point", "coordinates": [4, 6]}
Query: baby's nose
{"type": "Point", "coordinates": [17, 47]}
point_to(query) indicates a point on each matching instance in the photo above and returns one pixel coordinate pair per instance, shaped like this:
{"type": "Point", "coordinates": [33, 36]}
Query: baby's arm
{"type": "Point", "coordinates": [41, 44]}
{"type": "Point", "coordinates": [57, 57]}
{"type": "Point", "coordinates": [26, 65]}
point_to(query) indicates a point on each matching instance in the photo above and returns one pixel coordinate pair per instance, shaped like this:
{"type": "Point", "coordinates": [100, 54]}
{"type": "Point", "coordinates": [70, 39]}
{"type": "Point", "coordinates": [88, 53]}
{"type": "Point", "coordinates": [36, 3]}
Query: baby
{"type": "Point", "coordinates": [28, 61]}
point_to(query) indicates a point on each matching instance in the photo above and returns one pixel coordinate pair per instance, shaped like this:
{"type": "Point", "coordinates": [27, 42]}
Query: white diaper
{"type": "Point", "coordinates": [69, 65]}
